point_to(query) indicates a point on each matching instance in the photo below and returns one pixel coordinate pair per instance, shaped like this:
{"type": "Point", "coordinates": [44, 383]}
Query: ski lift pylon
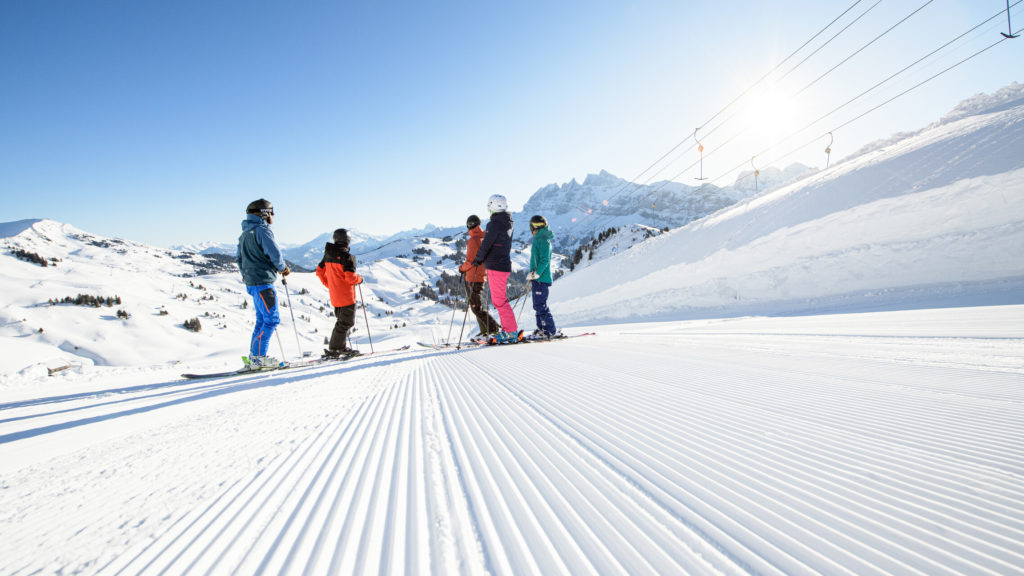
{"type": "Point", "coordinates": [756, 172]}
{"type": "Point", "coordinates": [828, 149]}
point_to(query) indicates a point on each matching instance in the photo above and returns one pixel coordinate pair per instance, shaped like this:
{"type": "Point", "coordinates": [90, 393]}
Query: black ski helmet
{"type": "Point", "coordinates": [472, 222]}
{"type": "Point", "coordinates": [261, 207]}
{"type": "Point", "coordinates": [341, 237]}
{"type": "Point", "coordinates": [537, 222]}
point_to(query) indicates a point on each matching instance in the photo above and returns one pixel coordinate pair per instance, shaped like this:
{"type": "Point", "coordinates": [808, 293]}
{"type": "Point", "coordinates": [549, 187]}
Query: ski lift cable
{"type": "Point", "coordinates": [834, 68]}
{"type": "Point", "coordinates": [746, 91]}
{"type": "Point", "coordinates": [645, 170]}
{"type": "Point", "coordinates": [799, 64]}
{"type": "Point", "coordinates": [863, 114]}
{"type": "Point", "coordinates": [911, 65]}
{"type": "Point", "coordinates": [783, 61]}
{"type": "Point", "coordinates": [626, 186]}
{"type": "Point", "coordinates": [864, 47]}
{"type": "Point", "coordinates": [890, 77]}
{"type": "Point", "coordinates": [885, 103]}
{"type": "Point", "coordinates": [760, 80]}
{"type": "Point", "coordinates": [858, 96]}
{"type": "Point", "coordinates": [925, 81]}
{"type": "Point", "coordinates": [837, 34]}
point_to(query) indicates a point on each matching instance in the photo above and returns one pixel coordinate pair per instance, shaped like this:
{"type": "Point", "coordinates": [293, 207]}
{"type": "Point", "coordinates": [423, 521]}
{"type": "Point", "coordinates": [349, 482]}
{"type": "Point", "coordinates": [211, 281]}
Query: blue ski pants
{"type": "Point", "coordinates": [264, 299]}
{"type": "Point", "coordinates": [545, 322]}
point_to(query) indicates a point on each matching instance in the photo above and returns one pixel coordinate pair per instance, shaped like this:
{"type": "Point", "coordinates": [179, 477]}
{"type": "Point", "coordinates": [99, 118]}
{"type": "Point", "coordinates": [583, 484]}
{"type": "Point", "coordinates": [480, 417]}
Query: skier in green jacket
{"type": "Point", "coordinates": [540, 278]}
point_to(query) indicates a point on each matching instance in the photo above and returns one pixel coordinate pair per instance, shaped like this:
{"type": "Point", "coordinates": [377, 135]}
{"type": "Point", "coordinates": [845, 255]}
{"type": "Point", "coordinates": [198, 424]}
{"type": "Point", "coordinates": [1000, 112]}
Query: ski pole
{"type": "Point", "coordinates": [295, 327]}
{"type": "Point", "coordinates": [522, 305]}
{"type": "Point", "coordinates": [456, 303]}
{"type": "Point", "coordinates": [459, 345]}
{"type": "Point", "coordinates": [365, 317]}
{"type": "Point", "coordinates": [279, 345]}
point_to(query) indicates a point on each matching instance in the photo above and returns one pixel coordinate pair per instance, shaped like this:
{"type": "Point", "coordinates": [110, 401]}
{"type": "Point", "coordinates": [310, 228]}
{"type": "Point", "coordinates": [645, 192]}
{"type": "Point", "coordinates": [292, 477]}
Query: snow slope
{"type": "Point", "coordinates": [875, 443]}
{"type": "Point", "coordinates": [885, 440]}
{"type": "Point", "coordinates": [937, 215]}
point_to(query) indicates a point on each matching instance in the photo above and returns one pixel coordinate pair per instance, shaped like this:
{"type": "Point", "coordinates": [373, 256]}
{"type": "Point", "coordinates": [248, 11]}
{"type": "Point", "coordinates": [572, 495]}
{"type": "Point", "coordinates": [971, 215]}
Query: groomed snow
{"type": "Point", "coordinates": [889, 442]}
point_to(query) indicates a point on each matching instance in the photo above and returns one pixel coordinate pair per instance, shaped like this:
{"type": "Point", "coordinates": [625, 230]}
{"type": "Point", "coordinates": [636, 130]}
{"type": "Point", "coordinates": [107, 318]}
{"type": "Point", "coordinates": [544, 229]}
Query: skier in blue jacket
{"type": "Point", "coordinates": [259, 260]}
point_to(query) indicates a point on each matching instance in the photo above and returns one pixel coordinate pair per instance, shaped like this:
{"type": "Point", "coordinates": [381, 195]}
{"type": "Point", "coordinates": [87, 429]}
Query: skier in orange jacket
{"type": "Point", "coordinates": [337, 271]}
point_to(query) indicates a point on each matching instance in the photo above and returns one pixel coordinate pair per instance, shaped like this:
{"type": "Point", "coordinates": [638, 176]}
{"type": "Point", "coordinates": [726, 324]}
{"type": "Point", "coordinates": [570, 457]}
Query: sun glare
{"type": "Point", "coordinates": [771, 117]}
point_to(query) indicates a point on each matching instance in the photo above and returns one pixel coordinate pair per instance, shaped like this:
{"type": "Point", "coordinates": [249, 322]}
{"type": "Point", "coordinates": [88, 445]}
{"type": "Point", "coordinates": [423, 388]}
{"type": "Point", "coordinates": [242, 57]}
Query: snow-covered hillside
{"type": "Point", "coordinates": [610, 243]}
{"type": "Point", "coordinates": [159, 290]}
{"type": "Point", "coordinates": [876, 430]}
{"type": "Point", "coordinates": [936, 217]}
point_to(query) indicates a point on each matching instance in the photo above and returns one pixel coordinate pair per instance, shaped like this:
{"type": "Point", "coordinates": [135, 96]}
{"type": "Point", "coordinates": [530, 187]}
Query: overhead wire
{"type": "Point", "coordinates": [746, 129]}
{"type": "Point", "coordinates": [786, 59]}
{"type": "Point", "coordinates": [791, 70]}
{"type": "Point", "coordinates": [908, 90]}
{"type": "Point", "coordinates": [850, 101]}
{"type": "Point", "coordinates": [739, 97]}
{"type": "Point", "coordinates": [864, 47]}
{"type": "Point", "coordinates": [875, 86]}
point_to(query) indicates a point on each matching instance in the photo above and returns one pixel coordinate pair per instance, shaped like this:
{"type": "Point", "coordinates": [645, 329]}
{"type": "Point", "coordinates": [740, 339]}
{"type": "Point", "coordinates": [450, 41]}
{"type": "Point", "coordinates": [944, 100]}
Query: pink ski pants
{"type": "Point", "coordinates": [498, 281]}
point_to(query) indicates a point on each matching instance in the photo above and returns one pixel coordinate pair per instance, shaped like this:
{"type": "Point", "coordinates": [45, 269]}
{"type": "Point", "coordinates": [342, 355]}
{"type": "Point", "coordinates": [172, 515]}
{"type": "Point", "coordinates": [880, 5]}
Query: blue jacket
{"type": "Point", "coordinates": [496, 248]}
{"type": "Point", "coordinates": [259, 257]}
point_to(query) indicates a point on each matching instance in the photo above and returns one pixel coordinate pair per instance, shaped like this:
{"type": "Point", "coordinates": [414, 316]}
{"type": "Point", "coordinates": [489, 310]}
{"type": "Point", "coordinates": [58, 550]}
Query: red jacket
{"type": "Point", "coordinates": [474, 273]}
{"type": "Point", "coordinates": [331, 272]}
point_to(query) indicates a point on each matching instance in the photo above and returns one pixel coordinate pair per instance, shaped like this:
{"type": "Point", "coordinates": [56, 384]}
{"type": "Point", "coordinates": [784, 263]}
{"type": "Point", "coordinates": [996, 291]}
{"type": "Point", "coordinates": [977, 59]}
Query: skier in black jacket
{"type": "Point", "coordinates": [495, 254]}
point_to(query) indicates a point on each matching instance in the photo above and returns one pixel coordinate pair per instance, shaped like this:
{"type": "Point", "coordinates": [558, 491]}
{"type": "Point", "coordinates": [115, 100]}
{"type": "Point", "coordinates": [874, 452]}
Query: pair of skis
{"type": "Point", "coordinates": [532, 340]}
{"type": "Point", "coordinates": [557, 338]}
{"type": "Point", "coordinates": [250, 369]}
{"type": "Point", "coordinates": [477, 342]}
{"type": "Point", "coordinates": [471, 343]}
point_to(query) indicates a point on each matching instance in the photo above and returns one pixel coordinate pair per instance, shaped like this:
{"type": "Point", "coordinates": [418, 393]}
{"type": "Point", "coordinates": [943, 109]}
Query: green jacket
{"type": "Point", "coordinates": [540, 255]}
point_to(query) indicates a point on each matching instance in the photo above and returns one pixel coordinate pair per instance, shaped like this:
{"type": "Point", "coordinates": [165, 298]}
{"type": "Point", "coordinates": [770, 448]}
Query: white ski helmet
{"type": "Point", "coordinates": [497, 203]}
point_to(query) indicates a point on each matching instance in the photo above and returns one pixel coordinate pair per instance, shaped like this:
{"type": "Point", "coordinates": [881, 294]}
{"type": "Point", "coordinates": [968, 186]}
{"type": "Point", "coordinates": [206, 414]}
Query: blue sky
{"type": "Point", "coordinates": [159, 121]}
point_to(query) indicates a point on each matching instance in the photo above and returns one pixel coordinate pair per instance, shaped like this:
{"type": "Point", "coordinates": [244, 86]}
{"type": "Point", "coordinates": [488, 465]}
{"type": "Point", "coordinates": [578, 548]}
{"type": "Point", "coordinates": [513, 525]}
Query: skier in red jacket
{"type": "Point", "coordinates": [337, 271]}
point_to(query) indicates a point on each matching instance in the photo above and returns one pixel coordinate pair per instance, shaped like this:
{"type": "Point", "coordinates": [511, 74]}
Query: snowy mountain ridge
{"type": "Point", "coordinates": [576, 212]}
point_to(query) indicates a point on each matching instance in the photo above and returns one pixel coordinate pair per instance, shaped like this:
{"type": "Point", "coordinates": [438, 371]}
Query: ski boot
{"type": "Point", "coordinates": [506, 338]}
{"type": "Point", "coordinates": [340, 354]}
{"type": "Point", "coordinates": [263, 362]}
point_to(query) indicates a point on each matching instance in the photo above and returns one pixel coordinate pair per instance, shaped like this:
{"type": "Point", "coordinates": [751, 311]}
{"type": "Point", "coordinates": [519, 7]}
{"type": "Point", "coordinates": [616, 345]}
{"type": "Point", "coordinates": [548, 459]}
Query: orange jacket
{"type": "Point", "coordinates": [331, 272]}
{"type": "Point", "coordinates": [473, 273]}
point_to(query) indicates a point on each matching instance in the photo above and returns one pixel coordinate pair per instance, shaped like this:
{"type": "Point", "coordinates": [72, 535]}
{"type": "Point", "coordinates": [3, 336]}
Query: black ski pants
{"type": "Point", "coordinates": [485, 321]}
{"type": "Point", "coordinates": [346, 319]}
